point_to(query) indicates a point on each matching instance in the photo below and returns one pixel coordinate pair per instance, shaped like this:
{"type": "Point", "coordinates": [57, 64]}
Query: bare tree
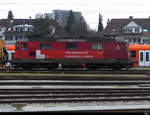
{"type": "Point", "coordinates": [79, 28]}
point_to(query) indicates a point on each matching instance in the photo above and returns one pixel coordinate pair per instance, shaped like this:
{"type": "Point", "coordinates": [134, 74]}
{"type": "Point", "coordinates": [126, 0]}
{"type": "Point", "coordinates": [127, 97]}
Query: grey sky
{"type": "Point", "coordinates": [90, 8]}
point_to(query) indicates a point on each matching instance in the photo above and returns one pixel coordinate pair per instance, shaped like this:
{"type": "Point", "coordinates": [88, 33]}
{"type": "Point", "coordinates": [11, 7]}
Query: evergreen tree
{"type": "Point", "coordinates": [70, 21]}
{"type": "Point", "coordinates": [100, 25]}
{"type": "Point", "coordinates": [10, 15]}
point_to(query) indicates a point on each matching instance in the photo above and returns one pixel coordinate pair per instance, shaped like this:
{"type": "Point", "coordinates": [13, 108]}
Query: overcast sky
{"type": "Point", "coordinates": [90, 9]}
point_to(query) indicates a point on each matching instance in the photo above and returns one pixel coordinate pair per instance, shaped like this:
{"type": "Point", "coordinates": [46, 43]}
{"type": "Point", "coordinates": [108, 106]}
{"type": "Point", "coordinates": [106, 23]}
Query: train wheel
{"type": "Point", "coordinates": [117, 68]}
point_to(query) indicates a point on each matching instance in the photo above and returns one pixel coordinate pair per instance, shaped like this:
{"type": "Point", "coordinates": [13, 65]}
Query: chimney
{"type": "Point", "coordinates": [130, 17]}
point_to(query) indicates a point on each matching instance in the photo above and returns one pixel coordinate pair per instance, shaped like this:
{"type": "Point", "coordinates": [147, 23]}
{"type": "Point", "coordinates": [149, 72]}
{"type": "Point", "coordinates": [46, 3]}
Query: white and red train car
{"type": "Point", "coordinates": [140, 53]}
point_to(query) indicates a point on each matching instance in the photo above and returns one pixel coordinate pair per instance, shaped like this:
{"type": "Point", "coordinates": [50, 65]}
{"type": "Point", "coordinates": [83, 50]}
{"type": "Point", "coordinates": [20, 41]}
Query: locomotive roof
{"type": "Point", "coordinates": [72, 39]}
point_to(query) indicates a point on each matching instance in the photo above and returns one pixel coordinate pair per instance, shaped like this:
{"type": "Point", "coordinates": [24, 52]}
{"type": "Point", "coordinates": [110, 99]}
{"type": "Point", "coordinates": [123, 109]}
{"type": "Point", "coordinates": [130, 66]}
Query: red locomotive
{"type": "Point", "coordinates": [72, 53]}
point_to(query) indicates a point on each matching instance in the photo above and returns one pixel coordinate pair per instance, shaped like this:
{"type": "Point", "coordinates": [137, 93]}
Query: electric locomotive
{"type": "Point", "coordinates": [90, 52]}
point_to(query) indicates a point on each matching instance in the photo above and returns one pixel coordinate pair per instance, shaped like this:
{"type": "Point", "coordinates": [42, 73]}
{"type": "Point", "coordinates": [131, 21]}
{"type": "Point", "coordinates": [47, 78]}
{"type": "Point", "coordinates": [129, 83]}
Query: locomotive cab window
{"type": "Point", "coordinates": [132, 53]}
{"type": "Point", "coordinates": [17, 46]}
{"type": "Point", "coordinates": [24, 46]}
{"type": "Point", "coordinates": [71, 46]}
{"type": "Point", "coordinates": [97, 46]}
{"type": "Point", "coordinates": [45, 46]}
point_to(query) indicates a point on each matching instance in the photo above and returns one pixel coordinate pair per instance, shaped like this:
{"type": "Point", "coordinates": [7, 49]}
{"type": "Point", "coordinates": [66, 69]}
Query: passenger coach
{"type": "Point", "coordinates": [140, 53]}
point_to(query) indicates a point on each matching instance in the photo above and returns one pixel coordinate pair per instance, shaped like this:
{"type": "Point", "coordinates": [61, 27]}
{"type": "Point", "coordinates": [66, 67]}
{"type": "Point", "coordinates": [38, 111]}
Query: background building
{"type": "Point", "coordinates": [132, 30]}
{"type": "Point", "coordinates": [15, 30]}
{"type": "Point", "coordinates": [61, 16]}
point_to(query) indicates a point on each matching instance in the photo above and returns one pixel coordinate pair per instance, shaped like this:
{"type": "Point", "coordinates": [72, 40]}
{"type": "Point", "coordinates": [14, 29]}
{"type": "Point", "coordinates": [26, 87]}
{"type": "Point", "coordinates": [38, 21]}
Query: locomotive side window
{"type": "Point", "coordinates": [24, 46]}
{"type": "Point", "coordinates": [71, 46]}
{"type": "Point", "coordinates": [45, 46]}
{"type": "Point", "coordinates": [133, 54]}
{"type": "Point", "coordinates": [118, 46]}
{"type": "Point", "coordinates": [97, 46]}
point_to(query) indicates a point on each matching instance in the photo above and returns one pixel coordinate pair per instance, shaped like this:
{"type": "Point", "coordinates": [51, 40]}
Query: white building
{"type": "Point", "coordinates": [134, 31]}
{"type": "Point", "coordinates": [15, 30]}
{"type": "Point", "coordinates": [2, 30]}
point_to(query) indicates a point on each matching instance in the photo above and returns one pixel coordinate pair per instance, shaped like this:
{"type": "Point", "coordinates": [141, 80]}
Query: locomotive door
{"type": "Point", "coordinates": [144, 58]}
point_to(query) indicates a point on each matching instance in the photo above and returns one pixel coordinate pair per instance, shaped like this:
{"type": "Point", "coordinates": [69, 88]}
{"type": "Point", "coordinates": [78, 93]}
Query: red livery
{"type": "Point", "coordinates": [93, 53]}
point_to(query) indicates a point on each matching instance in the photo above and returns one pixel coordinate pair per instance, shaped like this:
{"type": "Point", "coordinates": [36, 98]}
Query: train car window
{"type": "Point", "coordinates": [141, 56]}
{"type": "Point", "coordinates": [147, 56]}
{"type": "Point", "coordinates": [45, 46]}
{"type": "Point", "coordinates": [97, 46]}
{"type": "Point", "coordinates": [24, 46]}
{"type": "Point", "coordinates": [133, 54]}
{"type": "Point", "coordinates": [71, 46]}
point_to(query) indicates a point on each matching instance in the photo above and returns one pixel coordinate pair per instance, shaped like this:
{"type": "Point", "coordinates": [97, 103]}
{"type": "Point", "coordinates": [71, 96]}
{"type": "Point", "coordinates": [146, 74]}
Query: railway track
{"type": "Point", "coordinates": [21, 92]}
{"type": "Point", "coordinates": [73, 95]}
{"type": "Point", "coordinates": [74, 71]}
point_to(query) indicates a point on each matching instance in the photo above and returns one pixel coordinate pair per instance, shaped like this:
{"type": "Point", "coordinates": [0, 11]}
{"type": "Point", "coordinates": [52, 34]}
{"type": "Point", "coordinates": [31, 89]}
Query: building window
{"type": "Point", "coordinates": [137, 30]}
{"type": "Point", "coordinates": [16, 38]}
{"type": "Point", "coordinates": [134, 40]}
{"type": "Point", "coordinates": [145, 30]}
{"type": "Point", "coordinates": [6, 38]}
{"type": "Point", "coordinates": [127, 30]}
{"type": "Point", "coordinates": [19, 29]}
{"type": "Point", "coordinates": [139, 40]}
{"type": "Point", "coordinates": [21, 37]}
{"type": "Point", "coordinates": [71, 46]}
{"type": "Point", "coordinates": [124, 30]}
{"type": "Point", "coordinates": [28, 29]}
{"type": "Point", "coordinates": [129, 40]}
{"type": "Point", "coordinates": [11, 38]}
